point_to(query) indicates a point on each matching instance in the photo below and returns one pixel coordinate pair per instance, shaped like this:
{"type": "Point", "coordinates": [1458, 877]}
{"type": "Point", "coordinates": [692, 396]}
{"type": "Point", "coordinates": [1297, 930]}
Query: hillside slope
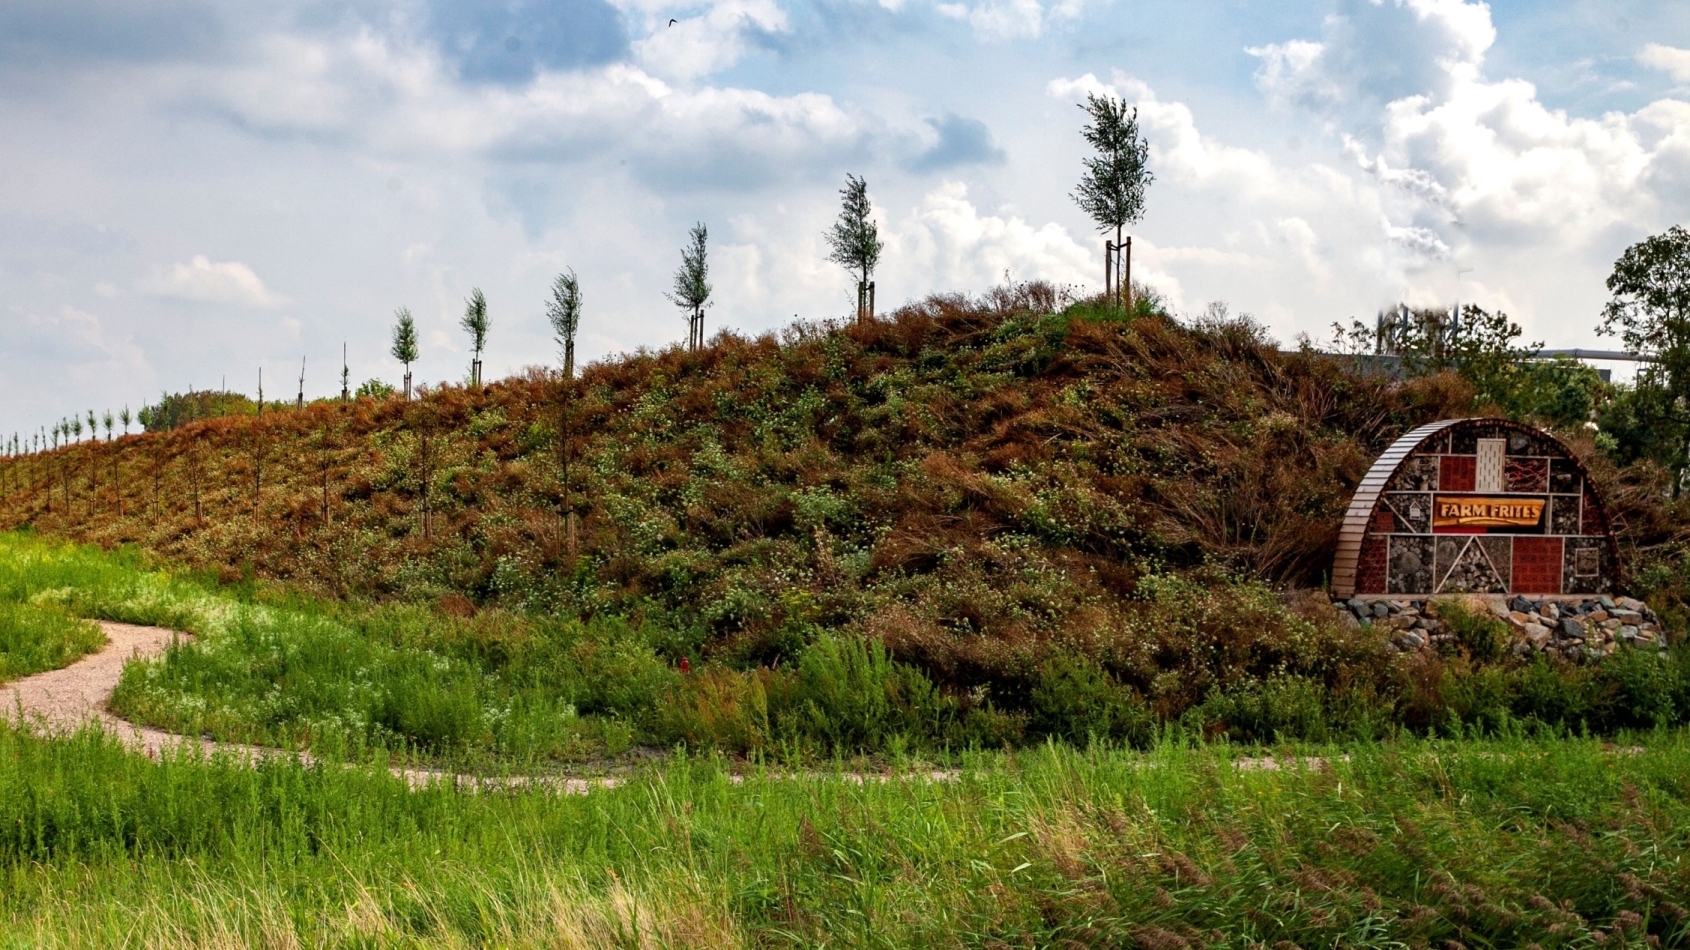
{"type": "Point", "coordinates": [958, 468]}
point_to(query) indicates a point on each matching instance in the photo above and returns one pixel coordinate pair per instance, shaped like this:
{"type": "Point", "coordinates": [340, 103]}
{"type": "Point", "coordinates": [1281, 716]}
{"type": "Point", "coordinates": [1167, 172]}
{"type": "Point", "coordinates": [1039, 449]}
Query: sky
{"type": "Point", "coordinates": [192, 190]}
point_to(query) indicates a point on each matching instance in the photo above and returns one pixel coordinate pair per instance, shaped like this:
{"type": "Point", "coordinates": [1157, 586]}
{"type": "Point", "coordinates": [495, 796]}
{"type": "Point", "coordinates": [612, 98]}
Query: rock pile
{"type": "Point", "coordinates": [1589, 628]}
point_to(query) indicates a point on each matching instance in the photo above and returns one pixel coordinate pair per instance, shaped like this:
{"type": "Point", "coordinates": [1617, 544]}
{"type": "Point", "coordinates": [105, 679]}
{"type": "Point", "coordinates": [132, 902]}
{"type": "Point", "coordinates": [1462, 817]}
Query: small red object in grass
{"type": "Point", "coordinates": [685, 666]}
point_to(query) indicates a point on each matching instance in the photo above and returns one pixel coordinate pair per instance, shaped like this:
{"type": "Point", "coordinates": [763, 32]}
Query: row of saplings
{"type": "Point", "coordinates": [847, 695]}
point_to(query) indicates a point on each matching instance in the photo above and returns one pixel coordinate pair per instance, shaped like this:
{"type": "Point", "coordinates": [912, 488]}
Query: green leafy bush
{"type": "Point", "coordinates": [1481, 634]}
{"type": "Point", "coordinates": [1074, 699]}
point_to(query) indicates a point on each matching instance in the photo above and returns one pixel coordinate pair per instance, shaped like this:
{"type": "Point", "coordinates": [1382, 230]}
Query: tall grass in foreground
{"type": "Point", "coordinates": [1506, 842]}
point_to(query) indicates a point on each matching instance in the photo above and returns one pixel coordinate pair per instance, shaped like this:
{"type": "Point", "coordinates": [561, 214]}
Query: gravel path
{"type": "Point", "coordinates": [58, 702]}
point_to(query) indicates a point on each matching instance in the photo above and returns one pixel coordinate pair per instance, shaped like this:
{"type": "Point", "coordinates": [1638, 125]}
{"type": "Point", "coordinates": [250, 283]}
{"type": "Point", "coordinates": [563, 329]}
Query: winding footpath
{"type": "Point", "coordinates": [59, 702]}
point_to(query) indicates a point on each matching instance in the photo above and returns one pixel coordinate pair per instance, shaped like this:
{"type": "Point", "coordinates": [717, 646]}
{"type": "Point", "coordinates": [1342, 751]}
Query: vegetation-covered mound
{"type": "Point", "coordinates": [1046, 521]}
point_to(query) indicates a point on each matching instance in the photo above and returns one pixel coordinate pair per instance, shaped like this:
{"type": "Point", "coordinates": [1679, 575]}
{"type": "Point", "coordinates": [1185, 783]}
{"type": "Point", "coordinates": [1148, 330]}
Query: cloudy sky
{"type": "Point", "coordinates": [192, 189]}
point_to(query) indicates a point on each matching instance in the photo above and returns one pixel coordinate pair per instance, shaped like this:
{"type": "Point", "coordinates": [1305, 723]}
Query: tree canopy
{"type": "Point", "coordinates": [854, 239]}
{"type": "Point", "coordinates": [1112, 189]}
{"type": "Point", "coordinates": [1650, 313]}
{"type": "Point", "coordinates": [564, 312]}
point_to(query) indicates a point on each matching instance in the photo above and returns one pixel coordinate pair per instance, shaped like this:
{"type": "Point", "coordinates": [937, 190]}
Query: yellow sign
{"type": "Point", "coordinates": [1473, 512]}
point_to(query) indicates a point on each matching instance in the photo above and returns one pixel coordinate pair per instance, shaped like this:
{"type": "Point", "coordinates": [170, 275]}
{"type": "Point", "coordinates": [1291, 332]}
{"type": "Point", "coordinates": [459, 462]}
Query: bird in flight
{"type": "Point", "coordinates": [671, 22]}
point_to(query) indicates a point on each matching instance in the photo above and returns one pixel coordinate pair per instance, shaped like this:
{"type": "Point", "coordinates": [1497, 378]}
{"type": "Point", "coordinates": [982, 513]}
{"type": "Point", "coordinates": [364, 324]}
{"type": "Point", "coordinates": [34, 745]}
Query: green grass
{"type": "Point", "coordinates": [1498, 835]}
{"type": "Point", "coordinates": [1508, 842]}
{"type": "Point", "coordinates": [37, 638]}
{"type": "Point", "coordinates": [505, 690]}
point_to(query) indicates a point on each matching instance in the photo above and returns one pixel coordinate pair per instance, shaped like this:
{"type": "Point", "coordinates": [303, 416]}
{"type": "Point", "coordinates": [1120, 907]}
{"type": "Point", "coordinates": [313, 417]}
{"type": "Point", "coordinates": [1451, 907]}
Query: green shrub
{"type": "Point", "coordinates": [1647, 689]}
{"type": "Point", "coordinates": [1074, 699]}
{"type": "Point", "coordinates": [1277, 708]}
{"type": "Point", "coordinates": [1478, 698]}
{"type": "Point", "coordinates": [620, 674]}
{"type": "Point", "coordinates": [1559, 694]}
{"type": "Point", "coordinates": [853, 697]}
{"type": "Point", "coordinates": [1484, 637]}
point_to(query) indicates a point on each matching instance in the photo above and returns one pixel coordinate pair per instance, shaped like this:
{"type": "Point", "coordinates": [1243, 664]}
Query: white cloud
{"type": "Point", "coordinates": [1012, 19]}
{"type": "Point", "coordinates": [1475, 166]}
{"type": "Point", "coordinates": [403, 102]}
{"type": "Point", "coordinates": [948, 238]}
{"type": "Point", "coordinates": [202, 281]}
{"type": "Point", "coordinates": [1378, 51]}
{"type": "Point", "coordinates": [701, 45]}
{"type": "Point", "coordinates": [1670, 60]}
{"type": "Point", "coordinates": [1178, 151]}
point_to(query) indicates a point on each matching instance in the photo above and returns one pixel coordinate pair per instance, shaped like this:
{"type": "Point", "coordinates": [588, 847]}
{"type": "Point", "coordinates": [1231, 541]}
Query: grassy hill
{"type": "Point", "coordinates": [1058, 520]}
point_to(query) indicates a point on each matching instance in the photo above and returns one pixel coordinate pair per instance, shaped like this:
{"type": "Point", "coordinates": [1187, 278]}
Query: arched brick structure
{"type": "Point", "coordinates": [1481, 506]}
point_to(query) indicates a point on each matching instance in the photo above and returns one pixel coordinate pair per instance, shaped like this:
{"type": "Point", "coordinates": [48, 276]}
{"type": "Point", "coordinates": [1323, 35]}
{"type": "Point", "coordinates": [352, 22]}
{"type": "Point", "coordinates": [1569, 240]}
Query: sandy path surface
{"type": "Point", "coordinates": [59, 702]}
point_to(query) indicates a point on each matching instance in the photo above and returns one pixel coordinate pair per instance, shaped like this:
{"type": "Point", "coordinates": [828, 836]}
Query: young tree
{"type": "Point", "coordinates": [855, 241]}
{"type": "Point", "coordinates": [1650, 313]}
{"type": "Point", "coordinates": [125, 418]}
{"type": "Point", "coordinates": [475, 324]}
{"type": "Point", "coordinates": [692, 284]}
{"type": "Point", "coordinates": [93, 427]}
{"type": "Point", "coordinates": [404, 345]}
{"type": "Point", "coordinates": [110, 423]}
{"type": "Point", "coordinates": [564, 311]}
{"type": "Point", "coordinates": [1112, 189]}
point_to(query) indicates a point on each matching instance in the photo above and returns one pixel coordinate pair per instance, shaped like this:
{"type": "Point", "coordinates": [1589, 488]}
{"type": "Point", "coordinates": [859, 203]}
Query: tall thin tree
{"type": "Point", "coordinates": [1112, 189]}
{"type": "Point", "coordinates": [855, 241]}
{"type": "Point", "coordinates": [564, 312]}
{"type": "Point", "coordinates": [475, 324]}
{"type": "Point", "coordinates": [404, 344]}
{"type": "Point", "coordinates": [692, 283]}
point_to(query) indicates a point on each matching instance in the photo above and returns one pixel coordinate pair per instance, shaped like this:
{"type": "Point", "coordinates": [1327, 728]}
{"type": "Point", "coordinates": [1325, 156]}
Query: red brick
{"type": "Point", "coordinates": [1537, 565]}
{"type": "Point", "coordinates": [1594, 523]}
{"type": "Point", "coordinates": [1370, 567]}
{"type": "Point", "coordinates": [1458, 473]}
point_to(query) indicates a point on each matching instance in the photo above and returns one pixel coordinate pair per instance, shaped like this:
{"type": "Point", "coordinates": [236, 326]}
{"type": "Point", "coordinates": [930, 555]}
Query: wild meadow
{"type": "Point", "coordinates": [1515, 841]}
